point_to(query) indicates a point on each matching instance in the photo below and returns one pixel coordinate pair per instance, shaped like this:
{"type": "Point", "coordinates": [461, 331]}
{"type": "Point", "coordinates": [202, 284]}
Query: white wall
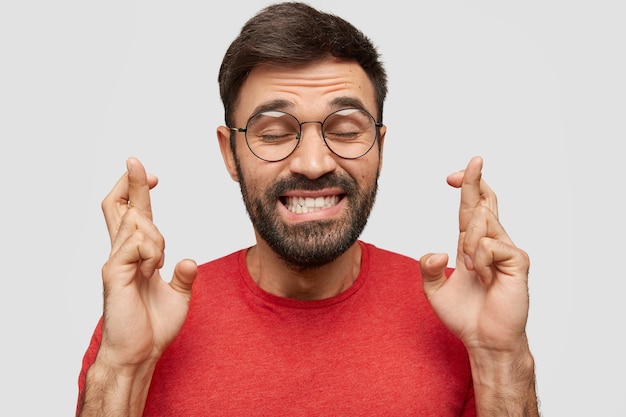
{"type": "Point", "coordinates": [536, 87]}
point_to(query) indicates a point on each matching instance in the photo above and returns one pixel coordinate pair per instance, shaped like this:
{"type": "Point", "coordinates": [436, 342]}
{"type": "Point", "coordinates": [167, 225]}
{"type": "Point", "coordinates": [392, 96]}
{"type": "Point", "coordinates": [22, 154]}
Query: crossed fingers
{"type": "Point", "coordinates": [483, 242]}
{"type": "Point", "coordinates": [128, 215]}
{"type": "Point", "coordinates": [132, 191]}
{"type": "Point", "coordinates": [474, 192]}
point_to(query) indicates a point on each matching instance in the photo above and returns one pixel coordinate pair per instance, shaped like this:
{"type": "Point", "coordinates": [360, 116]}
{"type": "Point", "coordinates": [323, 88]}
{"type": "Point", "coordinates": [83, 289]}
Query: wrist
{"type": "Point", "coordinates": [497, 367]}
{"type": "Point", "coordinates": [112, 389]}
{"type": "Point", "coordinates": [122, 366]}
{"type": "Point", "coordinates": [504, 382]}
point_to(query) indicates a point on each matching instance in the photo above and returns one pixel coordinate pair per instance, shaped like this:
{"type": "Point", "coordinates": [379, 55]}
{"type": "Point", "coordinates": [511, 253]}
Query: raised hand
{"type": "Point", "coordinates": [142, 313]}
{"type": "Point", "coordinates": [485, 300]}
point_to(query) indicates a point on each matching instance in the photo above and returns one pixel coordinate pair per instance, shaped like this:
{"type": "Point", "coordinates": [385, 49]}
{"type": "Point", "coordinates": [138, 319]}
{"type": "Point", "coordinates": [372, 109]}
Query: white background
{"type": "Point", "coordinates": [537, 88]}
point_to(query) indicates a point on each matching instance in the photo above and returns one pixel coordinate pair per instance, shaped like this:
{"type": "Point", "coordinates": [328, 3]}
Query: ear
{"type": "Point", "coordinates": [223, 137]}
{"type": "Point", "coordinates": [383, 132]}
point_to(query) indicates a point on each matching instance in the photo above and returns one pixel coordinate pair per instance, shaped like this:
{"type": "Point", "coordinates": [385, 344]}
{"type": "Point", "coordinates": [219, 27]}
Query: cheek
{"type": "Point", "coordinates": [258, 176]}
{"type": "Point", "coordinates": [364, 170]}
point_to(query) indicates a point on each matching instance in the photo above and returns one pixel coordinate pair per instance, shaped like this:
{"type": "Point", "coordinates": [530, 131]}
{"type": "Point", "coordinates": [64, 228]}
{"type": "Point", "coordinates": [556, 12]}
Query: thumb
{"type": "Point", "coordinates": [185, 273]}
{"type": "Point", "coordinates": [433, 267]}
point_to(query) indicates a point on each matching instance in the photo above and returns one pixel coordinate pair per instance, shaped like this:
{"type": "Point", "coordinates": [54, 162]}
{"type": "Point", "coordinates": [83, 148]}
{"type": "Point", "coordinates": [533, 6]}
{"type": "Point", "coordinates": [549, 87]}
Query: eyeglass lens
{"type": "Point", "coordinates": [274, 135]}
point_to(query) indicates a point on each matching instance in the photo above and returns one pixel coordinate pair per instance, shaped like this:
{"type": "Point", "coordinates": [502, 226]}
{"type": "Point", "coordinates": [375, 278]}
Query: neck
{"type": "Point", "coordinates": [273, 275]}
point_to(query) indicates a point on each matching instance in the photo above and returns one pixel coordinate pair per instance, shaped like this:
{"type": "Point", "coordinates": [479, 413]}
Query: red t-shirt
{"type": "Point", "coordinates": [376, 349]}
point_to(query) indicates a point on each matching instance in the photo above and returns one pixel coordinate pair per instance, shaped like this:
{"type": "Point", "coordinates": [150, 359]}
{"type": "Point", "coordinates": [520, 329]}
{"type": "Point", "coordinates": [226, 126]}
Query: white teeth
{"type": "Point", "coordinates": [301, 205]}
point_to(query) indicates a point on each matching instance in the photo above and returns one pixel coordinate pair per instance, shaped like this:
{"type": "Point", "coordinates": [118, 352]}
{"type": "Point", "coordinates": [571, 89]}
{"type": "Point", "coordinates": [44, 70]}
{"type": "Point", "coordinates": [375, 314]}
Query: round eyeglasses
{"type": "Point", "coordinates": [273, 135]}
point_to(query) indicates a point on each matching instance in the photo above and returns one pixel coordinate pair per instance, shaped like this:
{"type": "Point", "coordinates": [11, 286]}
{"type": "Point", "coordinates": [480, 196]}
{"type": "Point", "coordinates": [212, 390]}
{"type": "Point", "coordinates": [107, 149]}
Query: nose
{"type": "Point", "coordinates": [312, 158]}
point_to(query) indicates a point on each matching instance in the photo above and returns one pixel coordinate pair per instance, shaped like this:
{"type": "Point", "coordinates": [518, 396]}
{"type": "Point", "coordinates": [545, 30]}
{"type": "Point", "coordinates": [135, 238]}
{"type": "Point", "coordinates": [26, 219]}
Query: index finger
{"type": "Point", "coordinates": [138, 187]}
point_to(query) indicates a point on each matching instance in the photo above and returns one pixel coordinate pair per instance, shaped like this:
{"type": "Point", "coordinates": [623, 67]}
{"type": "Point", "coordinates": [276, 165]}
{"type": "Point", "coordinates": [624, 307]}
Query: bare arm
{"type": "Point", "coordinates": [111, 393]}
{"type": "Point", "coordinates": [485, 301]}
{"type": "Point", "coordinates": [504, 384]}
{"type": "Point", "coordinates": [142, 313]}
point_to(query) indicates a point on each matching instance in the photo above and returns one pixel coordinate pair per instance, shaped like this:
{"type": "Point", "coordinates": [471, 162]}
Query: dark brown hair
{"type": "Point", "coordinates": [294, 33]}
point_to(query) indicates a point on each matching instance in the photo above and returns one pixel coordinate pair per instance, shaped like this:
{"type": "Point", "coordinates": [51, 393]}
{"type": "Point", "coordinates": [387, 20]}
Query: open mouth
{"type": "Point", "coordinates": [301, 205]}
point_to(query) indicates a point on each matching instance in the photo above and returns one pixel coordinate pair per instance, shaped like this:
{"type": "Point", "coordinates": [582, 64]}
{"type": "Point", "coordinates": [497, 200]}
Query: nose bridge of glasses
{"type": "Point", "coordinates": [321, 131]}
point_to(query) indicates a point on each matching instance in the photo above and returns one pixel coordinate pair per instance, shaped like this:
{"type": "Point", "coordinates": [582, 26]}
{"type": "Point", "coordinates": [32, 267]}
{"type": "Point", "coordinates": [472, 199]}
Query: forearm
{"type": "Point", "coordinates": [115, 394]}
{"type": "Point", "coordinates": [504, 385]}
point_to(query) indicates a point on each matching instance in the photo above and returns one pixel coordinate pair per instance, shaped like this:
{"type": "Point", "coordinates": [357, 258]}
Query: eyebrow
{"type": "Point", "coordinates": [335, 104]}
{"type": "Point", "coordinates": [345, 102]}
{"type": "Point", "coordinates": [278, 104]}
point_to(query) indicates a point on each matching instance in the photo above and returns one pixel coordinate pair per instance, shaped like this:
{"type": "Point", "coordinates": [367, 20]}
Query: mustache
{"type": "Point", "coordinates": [300, 182]}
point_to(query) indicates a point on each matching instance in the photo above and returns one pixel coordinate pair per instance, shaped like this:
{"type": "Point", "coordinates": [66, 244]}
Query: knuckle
{"type": "Point", "coordinates": [139, 236]}
{"type": "Point", "coordinates": [525, 258]}
{"type": "Point", "coordinates": [483, 211]}
{"type": "Point", "coordinates": [484, 244]}
{"type": "Point", "coordinates": [105, 205]}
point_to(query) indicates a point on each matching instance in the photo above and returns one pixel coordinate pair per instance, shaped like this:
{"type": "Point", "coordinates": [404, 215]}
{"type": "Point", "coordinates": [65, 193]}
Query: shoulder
{"type": "Point", "coordinates": [225, 263]}
{"type": "Point", "coordinates": [386, 258]}
{"type": "Point", "coordinates": [219, 273]}
{"type": "Point", "coordinates": [391, 261]}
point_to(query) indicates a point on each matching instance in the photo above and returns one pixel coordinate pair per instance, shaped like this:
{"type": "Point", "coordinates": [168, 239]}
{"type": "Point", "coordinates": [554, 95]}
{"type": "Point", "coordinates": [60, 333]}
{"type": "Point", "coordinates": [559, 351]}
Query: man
{"type": "Point", "coordinates": [310, 320]}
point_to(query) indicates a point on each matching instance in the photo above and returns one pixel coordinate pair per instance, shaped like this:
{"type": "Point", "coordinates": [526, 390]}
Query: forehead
{"type": "Point", "coordinates": [309, 91]}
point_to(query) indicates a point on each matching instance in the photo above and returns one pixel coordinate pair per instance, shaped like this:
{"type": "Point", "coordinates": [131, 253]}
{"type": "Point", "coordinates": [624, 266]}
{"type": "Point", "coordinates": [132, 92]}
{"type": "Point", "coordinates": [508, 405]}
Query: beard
{"type": "Point", "coordinates": [314, 243]}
